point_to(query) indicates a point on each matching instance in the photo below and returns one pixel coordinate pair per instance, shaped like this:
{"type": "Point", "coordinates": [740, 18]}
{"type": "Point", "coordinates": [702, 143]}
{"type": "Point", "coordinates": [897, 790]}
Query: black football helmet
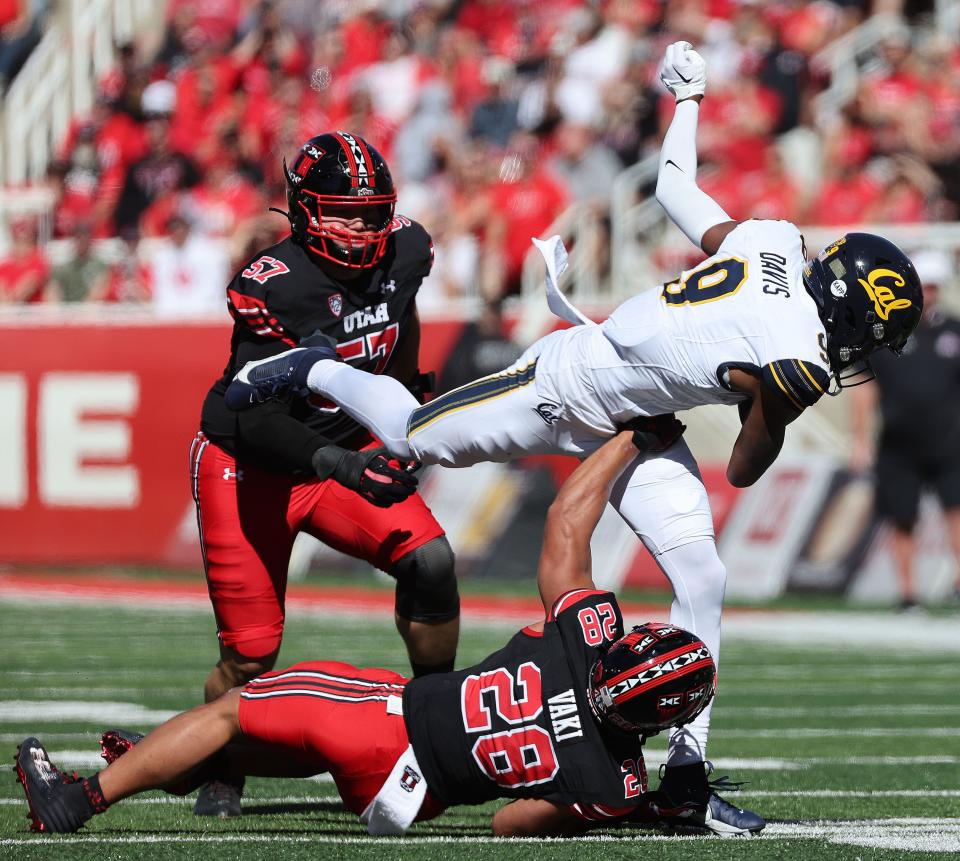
{"type": "Point", "coordinates": [653, 678]}
{"type": "Point", "coordinates": [340, 174]}
{"type": "Point", "coordinates": [868, 294]}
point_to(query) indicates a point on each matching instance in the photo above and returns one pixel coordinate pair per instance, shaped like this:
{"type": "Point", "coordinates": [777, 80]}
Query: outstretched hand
{"type": "Point", "coordinates": [683, 71]}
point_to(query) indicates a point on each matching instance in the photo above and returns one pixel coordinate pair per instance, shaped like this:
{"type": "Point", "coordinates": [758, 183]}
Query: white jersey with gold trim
{"type": "Point", "coordinates": [668, 350]}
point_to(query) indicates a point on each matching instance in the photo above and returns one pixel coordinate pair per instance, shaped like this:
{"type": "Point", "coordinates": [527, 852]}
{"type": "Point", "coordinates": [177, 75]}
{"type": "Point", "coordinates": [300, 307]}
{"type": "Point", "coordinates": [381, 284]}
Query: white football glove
{"type": "Point", "coordinates": [683, 71]}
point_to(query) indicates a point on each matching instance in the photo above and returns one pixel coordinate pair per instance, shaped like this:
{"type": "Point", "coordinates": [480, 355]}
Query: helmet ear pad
{"type": "Point", "coordinates": [295, 212]}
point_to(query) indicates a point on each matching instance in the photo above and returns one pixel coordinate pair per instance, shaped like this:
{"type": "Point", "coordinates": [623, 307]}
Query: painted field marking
{"type": "Point", "coordinates": [90, 758]}
{"type": "Point", "coordinates": [24, 711]}
{"type": "Point", "coordinates": [173, 799]}
{"type": "Point", "coordinates": [254, 801]}
{"type": "Point", "coordinates": [919, 835]}
{"type": "Point", "coordinates": [813, 732]}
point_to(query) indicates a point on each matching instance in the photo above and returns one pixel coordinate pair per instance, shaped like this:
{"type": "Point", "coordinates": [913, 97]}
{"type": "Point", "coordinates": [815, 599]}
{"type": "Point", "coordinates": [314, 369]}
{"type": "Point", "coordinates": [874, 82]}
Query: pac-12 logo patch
{"type": "Point", "coordinates": [336, 304]}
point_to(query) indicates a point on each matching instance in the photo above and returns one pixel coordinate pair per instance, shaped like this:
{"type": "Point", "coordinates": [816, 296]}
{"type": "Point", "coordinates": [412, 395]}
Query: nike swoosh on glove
{"type": "Point", "coordinates": [683, 71]}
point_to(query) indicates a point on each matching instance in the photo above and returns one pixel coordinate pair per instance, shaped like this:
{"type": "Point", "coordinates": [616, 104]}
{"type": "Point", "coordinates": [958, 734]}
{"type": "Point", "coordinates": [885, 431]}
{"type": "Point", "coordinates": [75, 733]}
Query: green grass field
{"type": "Point", "coordinates": [850, 754]}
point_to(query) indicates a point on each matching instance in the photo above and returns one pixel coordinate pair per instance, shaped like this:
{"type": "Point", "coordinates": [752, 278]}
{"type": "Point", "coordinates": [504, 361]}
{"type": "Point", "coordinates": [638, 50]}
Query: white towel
{"type": "Point", "coordinates": [555, 256]}
{"type": "Point", "coordinates": [398, 802]}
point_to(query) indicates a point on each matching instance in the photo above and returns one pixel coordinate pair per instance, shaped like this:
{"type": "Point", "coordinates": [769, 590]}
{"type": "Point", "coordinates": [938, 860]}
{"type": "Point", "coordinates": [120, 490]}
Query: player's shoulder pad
{"type": "Point", "coordinates": [573, 598]}
{"type": "Point", "coordinates": [248, 291]}
{"type": "Point", "coordinates": [800, 384]}
{"type": "Point", "coordinates": [413, 245]}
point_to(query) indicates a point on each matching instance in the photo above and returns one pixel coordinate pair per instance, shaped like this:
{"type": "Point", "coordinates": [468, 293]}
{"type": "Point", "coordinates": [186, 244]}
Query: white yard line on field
{"type": "Point", "coordinates": [916, 835]}
{"type": "Point", "coordinates": [84, 758]}
{"type": "Point", "coordinates": [256, 801]}
{"type": "Point", "coordinates": [852, 732]}
{"type": "Point", "coordinates": [101, 713]}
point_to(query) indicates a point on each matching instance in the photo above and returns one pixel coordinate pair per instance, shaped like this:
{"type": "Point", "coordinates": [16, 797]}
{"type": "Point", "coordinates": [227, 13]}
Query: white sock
{"type": "Point", "coordinates": [698, 578]}
{"type": "Point", "coordinates": [380, 403]}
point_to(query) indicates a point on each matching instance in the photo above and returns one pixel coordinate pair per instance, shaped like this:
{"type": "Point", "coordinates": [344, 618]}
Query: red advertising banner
{"type": "Point", "coordinates": [96, 420]}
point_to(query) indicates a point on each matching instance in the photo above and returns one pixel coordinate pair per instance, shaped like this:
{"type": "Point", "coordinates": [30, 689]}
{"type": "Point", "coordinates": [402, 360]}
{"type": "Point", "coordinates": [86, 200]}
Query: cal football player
{"type": "Point", "coordinates": [350, 269]}
{"type": "Point", "coordinates": [554, 721]}
{"type": "Point", "coordinates": [756, 325]}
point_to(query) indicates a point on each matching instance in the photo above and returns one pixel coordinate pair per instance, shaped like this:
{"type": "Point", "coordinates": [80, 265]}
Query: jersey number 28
{"type": "Point", "coordinates": [523, 755]}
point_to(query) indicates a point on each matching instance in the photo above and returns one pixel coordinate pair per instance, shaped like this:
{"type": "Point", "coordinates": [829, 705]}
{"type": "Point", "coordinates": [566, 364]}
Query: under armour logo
{"type": "Point", "coordinates": [389, 287]}
{"type": "Point", "coordinates": [550, 413]}
{"type": "Point", "coordinates": [409, 779]}
{"type": "Point", "coordinates": [229, 473]}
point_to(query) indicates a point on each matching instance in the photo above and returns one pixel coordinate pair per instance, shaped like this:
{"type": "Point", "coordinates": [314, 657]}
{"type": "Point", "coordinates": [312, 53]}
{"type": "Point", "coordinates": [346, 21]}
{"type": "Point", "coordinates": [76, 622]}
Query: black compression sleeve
{"type": "Point", "coordinates": [278, 441]}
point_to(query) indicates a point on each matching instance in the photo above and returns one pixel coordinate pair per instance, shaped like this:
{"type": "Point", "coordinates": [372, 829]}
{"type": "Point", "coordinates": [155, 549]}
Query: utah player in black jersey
{"type": "Point", "coordinates": [554, 721]}
{"type": "Point", "coordinates": [349, 271]}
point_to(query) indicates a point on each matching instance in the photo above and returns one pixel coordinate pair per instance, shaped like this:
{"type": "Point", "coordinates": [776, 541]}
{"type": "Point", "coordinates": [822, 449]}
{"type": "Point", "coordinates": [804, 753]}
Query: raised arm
{"type": "Point", "coordinates": [574, 514]}
{"type": "Point", "coordinates": [698, 215]}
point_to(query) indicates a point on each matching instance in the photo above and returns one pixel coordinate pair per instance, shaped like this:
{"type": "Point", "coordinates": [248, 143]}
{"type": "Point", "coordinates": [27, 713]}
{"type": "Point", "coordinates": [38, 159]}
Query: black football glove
{"type": "Point", "coordinates": [653, 434]}
{"type": "Point", "coordinates": [370, 473]}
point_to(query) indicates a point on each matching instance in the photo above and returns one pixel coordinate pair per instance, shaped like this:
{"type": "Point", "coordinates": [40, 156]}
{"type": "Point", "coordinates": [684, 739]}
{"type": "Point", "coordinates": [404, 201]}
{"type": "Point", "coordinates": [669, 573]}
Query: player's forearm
{"type": "Point", "coordinates": [277, 441]}
{"type": "Point", "coordinates": [693, 211]}
{"type": "Point", "coordinates": [584, 495]}
{"type": "Point", "coordinates": [756, 447]}
{"type": "Point", "coordinates": [536, 817]}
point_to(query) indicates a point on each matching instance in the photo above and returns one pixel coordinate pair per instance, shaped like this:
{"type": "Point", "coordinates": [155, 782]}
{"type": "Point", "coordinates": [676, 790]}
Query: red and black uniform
{"type": "Point", "coordinates": [253, 480]}
{"type": "Point", "coordinates": [516, 725]}
{"type": "Point", "coordinates": [519, 725]}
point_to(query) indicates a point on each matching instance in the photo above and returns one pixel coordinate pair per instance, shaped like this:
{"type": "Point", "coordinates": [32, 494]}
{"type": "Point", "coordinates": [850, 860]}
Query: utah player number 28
{"type": "Point", "coordinates": [523, 755]}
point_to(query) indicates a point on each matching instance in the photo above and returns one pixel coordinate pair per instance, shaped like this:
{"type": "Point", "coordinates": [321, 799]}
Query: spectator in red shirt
{"type": "Point", "coordinates": [93, 164]}
{"type": "Point", "coordinates": [892, 88]}
{"type": "Point", "coordinates": [223, 201]}
{"type": "Point", "coordinates": [215, 19]}
{"type": "Point", "coordinates": [908, 191]}
{"type": "Point", "coordinates": [363, 36]}
{"type": "Point", "coordinates": [845, 197]}
{"type": "Point", "coordinates": [24, 269]}
{"type": "Point", "coordinates": [524, 203]}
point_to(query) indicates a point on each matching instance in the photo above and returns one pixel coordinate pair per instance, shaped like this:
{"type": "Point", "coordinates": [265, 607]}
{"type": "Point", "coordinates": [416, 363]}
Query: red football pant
{"type": "Point", "coordinates": [332, 717]}
{"type": "Point", "coordinates": [248, 521]}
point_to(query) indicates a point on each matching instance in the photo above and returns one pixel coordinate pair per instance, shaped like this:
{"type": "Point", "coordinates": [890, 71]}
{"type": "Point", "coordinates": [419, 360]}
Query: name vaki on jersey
{"type": "Point", "coordinates": [564, 716]}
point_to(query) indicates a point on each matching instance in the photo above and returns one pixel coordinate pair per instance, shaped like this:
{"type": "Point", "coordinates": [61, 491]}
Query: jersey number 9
{"type": "Point", "coordinates": [717, 279]}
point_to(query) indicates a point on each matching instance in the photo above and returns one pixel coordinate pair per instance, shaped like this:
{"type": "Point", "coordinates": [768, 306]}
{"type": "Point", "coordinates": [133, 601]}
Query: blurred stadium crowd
{"type": "Point", "coordinates": [495, 115]}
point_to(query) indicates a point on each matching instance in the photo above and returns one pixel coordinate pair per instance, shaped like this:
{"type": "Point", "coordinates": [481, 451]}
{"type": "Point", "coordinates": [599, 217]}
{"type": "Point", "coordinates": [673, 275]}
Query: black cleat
{"type": "Point", "coordinates": [114, 743]}
{"type": "Point", "coordinates": [47, 789]}
{"type": "Point", "coordinates": [219, 798]}
{"type": "Point", "coordinates": [687, 803]}
{"type": "Point", "coordinates": [279, 376]}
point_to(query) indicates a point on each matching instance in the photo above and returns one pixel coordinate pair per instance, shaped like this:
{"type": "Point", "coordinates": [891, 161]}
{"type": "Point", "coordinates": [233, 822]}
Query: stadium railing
{"type": "Point", "coordinates": [59, 80]}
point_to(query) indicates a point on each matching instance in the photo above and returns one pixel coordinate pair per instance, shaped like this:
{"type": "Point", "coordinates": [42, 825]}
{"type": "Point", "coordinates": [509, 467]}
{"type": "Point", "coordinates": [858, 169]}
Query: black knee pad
{"type": "Point", "coordinates": [426, 583]}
